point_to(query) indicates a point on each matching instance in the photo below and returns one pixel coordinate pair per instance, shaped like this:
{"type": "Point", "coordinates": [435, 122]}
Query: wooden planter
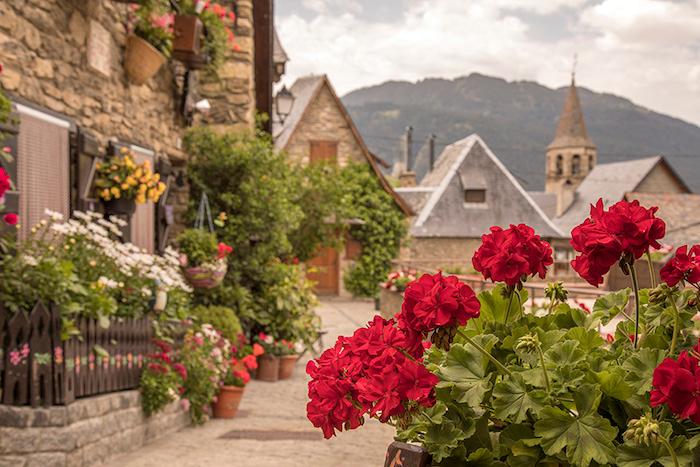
{"type": "Point", "coordinates": [187, 41]}
{"type": "Point", "coordinates": [38, 368]}
{"type": "Point", "coordinates": [142, 61]}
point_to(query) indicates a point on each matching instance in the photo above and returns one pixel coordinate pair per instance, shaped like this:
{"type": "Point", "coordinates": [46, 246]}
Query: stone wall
{"type": "Point", "coordinates": [84, 433]}
{"type": "Point", "coordinates": [440, 252]}
{"type": "Point", "coordinates": [47, 48]}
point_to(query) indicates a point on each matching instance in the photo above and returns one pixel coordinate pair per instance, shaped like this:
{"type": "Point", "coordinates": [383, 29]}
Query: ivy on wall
{"type": "Point", "coordinates": [380, 234]}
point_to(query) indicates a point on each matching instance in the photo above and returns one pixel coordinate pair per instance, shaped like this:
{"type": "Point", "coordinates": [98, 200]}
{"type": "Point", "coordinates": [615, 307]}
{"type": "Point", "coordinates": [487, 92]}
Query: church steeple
{"type": "Point", "coordinates": [572, 154]}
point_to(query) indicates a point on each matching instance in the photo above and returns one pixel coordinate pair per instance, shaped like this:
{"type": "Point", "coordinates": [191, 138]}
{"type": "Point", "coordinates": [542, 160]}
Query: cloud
{"type": "Point", "coordinates": [647, 50]}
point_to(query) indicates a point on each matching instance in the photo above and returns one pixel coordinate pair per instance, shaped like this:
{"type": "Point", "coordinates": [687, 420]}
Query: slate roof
{"type": "Point", "coordinates": [571, 130]}
{"type": "Point", "coordinates": [681, 212]}
{"type": "Point", "coordinates": [443, 212]}
{"type": "Point", "coordinates": [609, 182]}
{"type": "Point", "coordinates": [546, 201]}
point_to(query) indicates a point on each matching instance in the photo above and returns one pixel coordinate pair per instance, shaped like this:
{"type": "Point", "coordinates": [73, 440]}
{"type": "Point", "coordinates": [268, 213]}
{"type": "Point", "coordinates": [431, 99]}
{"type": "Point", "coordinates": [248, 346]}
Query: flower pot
{"type": "Point", "coordinates": [120, 207]}
{"type": "Point", "coordinates": [287, 365]}
{"type": "Point", "coordinates": [188, 31]}
{"type": "Point", "coordinates": [206, 276]}
{"type": "Point", "coordinates": [227, 402]}
{"type": "Point", "coordinates": [142, 61]}
{"type": "Point", "coordinates": [268, 368]}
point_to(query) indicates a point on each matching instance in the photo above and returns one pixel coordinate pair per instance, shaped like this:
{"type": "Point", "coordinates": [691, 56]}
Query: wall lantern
{"type": "Point", "coordinates": [284, 101]}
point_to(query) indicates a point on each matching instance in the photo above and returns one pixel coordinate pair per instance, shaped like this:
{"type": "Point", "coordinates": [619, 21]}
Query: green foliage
{"type": "Point", "coordinates": [383, 226]}
{"type": "Point", "coordinates": [157, 390]}
{"type": "Point", "coordinates": [223, 319]}
{"type": "Point", "coordinates": [565, 395]}
{"type": "Point", "coordinates": [199, 245]}
{"type": "Point", "coordinates": [319, 194]}
{"type": "Point", "coordinates": [256, 193]}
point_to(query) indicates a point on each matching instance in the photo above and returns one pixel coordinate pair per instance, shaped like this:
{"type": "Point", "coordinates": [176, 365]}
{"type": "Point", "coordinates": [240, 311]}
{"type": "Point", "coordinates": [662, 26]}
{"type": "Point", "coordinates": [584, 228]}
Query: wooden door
{"type": "Point", "coordinates": [323, 151]}
{"type": "Point", "coordinates": [325, 271]}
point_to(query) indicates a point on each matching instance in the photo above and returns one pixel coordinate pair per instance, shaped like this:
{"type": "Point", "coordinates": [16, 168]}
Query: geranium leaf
{"type": "Point", "coordinates": [630, 455]}
{"type": "Point", "coordinates": [512, 399]}
{"type": "Point", "coordinates": [587, 339]}
{"type": "Point", "coordinates": [465, 371]}
{"type": "Point", "coordinates": [494, 305]}
{"type": "Point", "coordinates": [608, 306]}
{"type": "Point", "coordinates": [564, 353]}
{"type": "Point", "coordinates": [442, 439]}
{"type": "Point", "coordinates": [640, 369]}
{"type": "Point", "coordinates": [584, 438]}
{"type": "Point", "coordinates": [613, 384]}
{"type": "Point", "coordinates": [587, 399]}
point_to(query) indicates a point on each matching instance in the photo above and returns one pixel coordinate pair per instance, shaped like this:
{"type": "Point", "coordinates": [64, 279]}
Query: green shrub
{"type": "Point", "coordinates": [157, 390]}
{"type": "Point", "coordinates": [199, 245]}
{"type": "Point", "coordinates": [222, 318]}
{"type": "Point", "coordinates": [381, 233]}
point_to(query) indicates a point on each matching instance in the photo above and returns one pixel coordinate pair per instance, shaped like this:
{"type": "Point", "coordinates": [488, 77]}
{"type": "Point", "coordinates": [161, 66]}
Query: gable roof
{"type": "Point", "coordinates": [471, 159]}
{"type": "Point", "coordinates": [609, 182]}
{"type": "Point", "coordinates": [305, 91]}
{"type": "Point", "coordinates": [571, 129]}
{"type": "Point", "coordinates": [679, 211]}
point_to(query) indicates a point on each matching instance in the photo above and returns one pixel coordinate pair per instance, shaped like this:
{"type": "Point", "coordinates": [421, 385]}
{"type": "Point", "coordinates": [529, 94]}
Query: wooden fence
{"type": "Point", "coordinates": [37, 368]}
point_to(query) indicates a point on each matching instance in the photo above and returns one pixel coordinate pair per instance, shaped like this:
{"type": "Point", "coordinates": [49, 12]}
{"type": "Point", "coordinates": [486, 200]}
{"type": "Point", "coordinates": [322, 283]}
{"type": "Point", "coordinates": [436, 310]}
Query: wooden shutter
{"type": "Point", "coordinates": [143, 220]}
{"type": "Point", "coordinates": [43, 166]}
{"type": "Point", "coordinates": [164, 210]}
{"type": "Point", "coordinates": [323, 151]}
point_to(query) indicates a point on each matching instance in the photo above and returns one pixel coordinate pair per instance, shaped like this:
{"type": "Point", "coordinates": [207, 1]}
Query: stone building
{"type": "Point", "coordinates": [319, 128]}
{"type": "Point", "coordinates": [468, 191]}
{"type": "Point", "coordinates": [63, 69]}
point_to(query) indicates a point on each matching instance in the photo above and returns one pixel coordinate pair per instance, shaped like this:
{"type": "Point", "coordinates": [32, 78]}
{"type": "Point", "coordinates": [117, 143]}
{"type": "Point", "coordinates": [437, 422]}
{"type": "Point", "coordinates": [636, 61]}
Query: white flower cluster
{"type": "Point", "coordinates": [131, 260]}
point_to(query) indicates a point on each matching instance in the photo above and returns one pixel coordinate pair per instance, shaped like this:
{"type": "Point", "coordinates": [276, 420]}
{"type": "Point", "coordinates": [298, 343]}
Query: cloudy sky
{"type": "Point", "coordinates": [646, 50]}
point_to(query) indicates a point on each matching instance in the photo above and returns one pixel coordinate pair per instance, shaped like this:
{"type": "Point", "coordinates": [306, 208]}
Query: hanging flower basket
{"type": "Point", "coordinates": [142, 60]}
{"type": "Point", "coordinates": [119, 207]}
{"type": "Point", "coordinates": [188, 32]}
{"type": "Point", "coordinates": [206, 276]}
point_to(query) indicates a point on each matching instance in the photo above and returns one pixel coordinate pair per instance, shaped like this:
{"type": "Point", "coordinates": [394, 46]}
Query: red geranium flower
{"type": "Point", "coordinates": [677, 384]}
{"type": "Point", "coordinates": [223, 250]}
{"type": "Point", "coordinates": [5, 183]}
{"type": "Point", "coordinates": [11, 218]}
{"type": "Point", "coordinates": [603, 238]}
{"type": "Point", "coordinates": [512, 255]}
{"type": "Point", "coordinates": [181, 370]}
{"type": "Point", "coordinates": [434, 301]}
{"type": "Point", "coordinates": [258, 349]}
{"type": "Point", "coordinates": [250, 361]}
{"type": "Point", "coordinates": [684, 266]}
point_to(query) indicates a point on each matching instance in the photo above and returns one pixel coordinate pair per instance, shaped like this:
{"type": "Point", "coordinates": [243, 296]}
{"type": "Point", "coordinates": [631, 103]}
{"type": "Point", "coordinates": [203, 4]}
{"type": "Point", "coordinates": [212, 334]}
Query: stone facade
{"type": "Point", "coordinates": [324, 121]}
{"type": "Point", "coordinates": [84, 433]}
{"type": "Point", "coordinates": [440, 252]}
{"type": "Point", "coordinates": [52, 51]}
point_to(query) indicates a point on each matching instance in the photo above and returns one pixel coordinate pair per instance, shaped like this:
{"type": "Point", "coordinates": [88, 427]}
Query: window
{"type": "Point", "coordinates": [474, 196]}
{"type": "Point", "coordinates": [590, 162]}
{"type": "Point", "coordinates": [323, 151]}
{"type": "Point", "coordinates": [576, 165]}
{"type": "Point", "coordinates": [43, 166]}
{"type": "Point", "coordinates": [559, 164]}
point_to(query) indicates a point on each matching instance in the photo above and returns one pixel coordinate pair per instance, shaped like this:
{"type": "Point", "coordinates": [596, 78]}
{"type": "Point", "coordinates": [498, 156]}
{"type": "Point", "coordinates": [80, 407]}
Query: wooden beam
{"type": "Point", "coordinates": [263, 24]}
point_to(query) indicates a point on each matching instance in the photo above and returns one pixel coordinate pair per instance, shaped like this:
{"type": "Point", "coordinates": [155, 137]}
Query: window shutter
{"type": "Point", "coordinates": [86, 155]}
{"type": "Point", "coordinates": [323, 151]}
{"type": "Point", "coordinates": [43, 166]}
{"type": "Point", "coordinates": [164, 210]}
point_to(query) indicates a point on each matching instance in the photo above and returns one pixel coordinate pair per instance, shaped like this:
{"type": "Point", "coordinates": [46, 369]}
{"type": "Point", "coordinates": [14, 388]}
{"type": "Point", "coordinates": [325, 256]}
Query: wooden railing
{"type": "Point", "coordinates": [38, 368]}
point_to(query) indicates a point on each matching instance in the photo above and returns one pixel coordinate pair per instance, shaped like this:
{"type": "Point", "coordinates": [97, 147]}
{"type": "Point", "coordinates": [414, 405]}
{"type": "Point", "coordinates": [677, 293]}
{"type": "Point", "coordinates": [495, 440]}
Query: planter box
{"type": "Point", "coordinates": [389, 303]}
{"type": "Point", "coordinates": [38, 368]}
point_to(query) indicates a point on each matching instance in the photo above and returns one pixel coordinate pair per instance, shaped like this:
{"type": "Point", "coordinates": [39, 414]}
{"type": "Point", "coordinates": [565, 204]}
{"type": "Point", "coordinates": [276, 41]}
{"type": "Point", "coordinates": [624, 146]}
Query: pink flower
{"type": "Point", "coordinates": [25, 350]}
{"type": "Point", "coordinates": [7, 149]}
{"type": "Point", "coordinates": [185, 404]}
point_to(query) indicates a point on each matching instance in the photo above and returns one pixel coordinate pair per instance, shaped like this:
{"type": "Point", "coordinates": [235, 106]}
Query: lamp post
{"type": "Point", "coordinates": [284, 101]}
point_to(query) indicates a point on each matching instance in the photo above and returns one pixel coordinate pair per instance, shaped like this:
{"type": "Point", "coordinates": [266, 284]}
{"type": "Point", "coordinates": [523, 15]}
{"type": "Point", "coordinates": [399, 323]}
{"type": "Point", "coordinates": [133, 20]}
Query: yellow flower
{"type": "Point", "coordinates": [131, 180]}
{"type": "Point", "coordinates": [115, 192]}
{"type": "Point", "coordinates": [117, 178]}
{"type": "Point", "coordinates": [142, 189]}
{"type": "Point", "coordinates": [138, 172]}
{"type": "Point", "coordinates": [113, 168]}
{"type": "Point", "coordinates": [105, 194]}
{"type": "Point", "coordinates": [156, 177]}
{"type": "Point", "coordinates": [222, 216]}
{"type": "Point", "coordinates": [140, 199]}
{"type": "Point", "coordinates": [123, 150]}
{"type": "Point", "coordinates": [152, 193]}
{"type": "Point", "coordinates": [125, 186]}
{"type": "Point", "coordinates": [161, 188]}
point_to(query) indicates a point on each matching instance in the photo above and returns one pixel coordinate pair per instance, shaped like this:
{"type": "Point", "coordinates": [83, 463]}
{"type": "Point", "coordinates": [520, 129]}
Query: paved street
{"type": "Point", "coordinates": [271, 428]}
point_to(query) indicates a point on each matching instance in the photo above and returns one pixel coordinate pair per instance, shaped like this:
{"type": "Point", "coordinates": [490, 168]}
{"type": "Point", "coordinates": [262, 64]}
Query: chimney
{"type": "Point", "coordinates": [408, 177]}
{"type": "Point", "coordinates": [431, 149]}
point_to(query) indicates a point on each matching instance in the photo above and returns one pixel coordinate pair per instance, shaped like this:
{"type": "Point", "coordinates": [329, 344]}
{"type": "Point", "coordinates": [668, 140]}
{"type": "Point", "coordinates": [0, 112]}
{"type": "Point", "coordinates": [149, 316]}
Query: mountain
{"type": "Point", "coordinates": [517, 120]}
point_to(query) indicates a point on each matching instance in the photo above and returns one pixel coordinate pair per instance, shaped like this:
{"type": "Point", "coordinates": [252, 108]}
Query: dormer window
{"type": "Point", "coordinates": [475, 195]}
{"type": "Point", "coordinates": [576, 165]}
{"type": "Point", "coordinates": [560, 164]}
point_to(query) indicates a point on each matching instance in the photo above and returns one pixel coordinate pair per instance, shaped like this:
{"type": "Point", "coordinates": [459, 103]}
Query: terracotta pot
{"type": "Point", "coordinates": [142, 61]}
{"type": "Point", "coordinates": [119, 207]}
{"type": "Point", "coordinates": [227, 402]}
{"type": "Point", "coordinates": [287, 365]}
{"type": "Point", "coordinates": [268, 368]}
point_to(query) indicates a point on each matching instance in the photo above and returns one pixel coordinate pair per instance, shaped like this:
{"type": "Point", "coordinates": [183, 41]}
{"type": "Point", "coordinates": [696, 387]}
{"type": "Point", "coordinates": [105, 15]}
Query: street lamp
{"type": "Point", "coordinates": [284, 101]}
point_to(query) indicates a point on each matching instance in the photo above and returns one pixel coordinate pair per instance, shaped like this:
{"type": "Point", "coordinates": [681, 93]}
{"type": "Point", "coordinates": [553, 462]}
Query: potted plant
{"type": "Point", "coordinates": [503, 384]}
{"type": "Point", "coordinates": [149, 43]}
{"type": "Point", "coordinates": [391, 291]}
{"type": "Point", "coordinates": [203, 259]}
{"type": "Point", "coordinates": [241, 363]}
{"type": "Point", "coordinates": [203, 33]}
{"type": "Point", "coordinates": [121, 184]}
{"type": "Point", "coordinates": [269, 361]}
{"type": "Point", "coordinates": [288, 359]}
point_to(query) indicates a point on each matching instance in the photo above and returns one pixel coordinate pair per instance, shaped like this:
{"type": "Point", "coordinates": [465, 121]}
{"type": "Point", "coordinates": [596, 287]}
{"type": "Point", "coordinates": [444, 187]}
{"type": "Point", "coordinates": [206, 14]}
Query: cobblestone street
{"type": "Point", "coordinates": [271, 428]}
